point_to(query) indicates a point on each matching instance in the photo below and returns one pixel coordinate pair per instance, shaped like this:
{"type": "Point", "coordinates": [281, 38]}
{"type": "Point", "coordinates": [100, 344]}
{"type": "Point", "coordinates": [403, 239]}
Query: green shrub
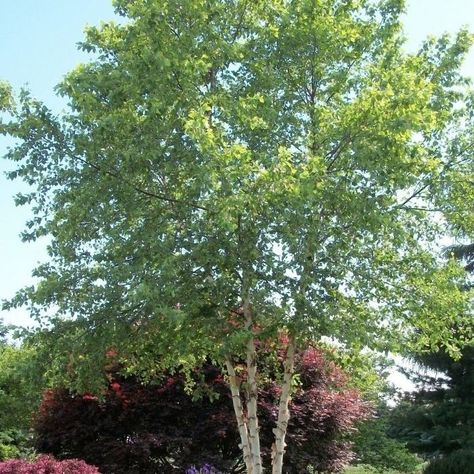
{"type": "Point", "coordinates": [375, 448]}
{"type": "Point", "coordinates": [15, 444]}
{"type": "Point", "coordinates": [360, 469]}
{"type": "Point", "coordinates": [366, 469]}
{"type": "Point", "coordinates": [458, 462]}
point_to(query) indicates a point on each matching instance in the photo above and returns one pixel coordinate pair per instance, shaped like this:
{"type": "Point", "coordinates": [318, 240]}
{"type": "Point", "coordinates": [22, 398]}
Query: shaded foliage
{"type": "Point", "coordinates": [15, 443]}
{"type": "Point", "coordinates": [459, 462]}
{"type": "Point", "coordinates": [161, 428]}
{"type": "Point", "coordinates": [439, 418]}
{"type": "Point", "coordinates": [375, 448]}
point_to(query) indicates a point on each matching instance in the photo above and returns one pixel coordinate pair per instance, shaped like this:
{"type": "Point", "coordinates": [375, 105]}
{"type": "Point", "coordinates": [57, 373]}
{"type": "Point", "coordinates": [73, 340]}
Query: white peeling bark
{"type": "Point", "coordinates": [239, 415]}
{"type": "Point", "coordinates": [252, 395]}
{"type": "Point", "coordinates": [278, 449]}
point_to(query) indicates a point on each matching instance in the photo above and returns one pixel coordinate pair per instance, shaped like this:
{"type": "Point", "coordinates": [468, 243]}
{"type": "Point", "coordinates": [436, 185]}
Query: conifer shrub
{"type": "Point", "coordinates": [458, 462]}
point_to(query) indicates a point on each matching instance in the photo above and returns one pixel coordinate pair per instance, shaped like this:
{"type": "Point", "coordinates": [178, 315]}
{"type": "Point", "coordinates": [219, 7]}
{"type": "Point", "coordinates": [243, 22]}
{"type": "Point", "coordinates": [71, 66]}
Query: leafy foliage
{"type": "Point", "coordinates": [20, 386]}
{"type": "Point", "coordinates": [374, 447]}
{"type": "Point", "coordinates": [46, 464]}
{"type": "Point", "coordinates": [286, 158]}
{"type": "Point", "coordinates": [3, 332]}
{"type": "Point", "coordinates": [458, 462]}
{"type": "Point", "coordinates": [147, 428]}
{"type": "Point", "coordinates": [290, 155]}
{"type": "Point", "coordinates": [5, 97]}
{"type": "Point", "coordinates": [465, 253]}
{"type": "Point", "coordinates": [366, 469]}
{"type": "Point", "coordinates": [16, 444]}
{"type": "Point", "coordinates": [438, 419]}
{"type": "Point", "coordinates": [20, 394]}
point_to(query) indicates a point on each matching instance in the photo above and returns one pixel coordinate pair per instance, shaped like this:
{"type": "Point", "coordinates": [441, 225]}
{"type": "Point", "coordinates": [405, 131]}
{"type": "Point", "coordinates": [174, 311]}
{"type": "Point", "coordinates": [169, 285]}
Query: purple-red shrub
{"type": "Point", "coordinates": [324, 411]}
{"type": "Point", "coordinates": [47, 465]}
{"type": "Point", "coordinates": [159, 428]}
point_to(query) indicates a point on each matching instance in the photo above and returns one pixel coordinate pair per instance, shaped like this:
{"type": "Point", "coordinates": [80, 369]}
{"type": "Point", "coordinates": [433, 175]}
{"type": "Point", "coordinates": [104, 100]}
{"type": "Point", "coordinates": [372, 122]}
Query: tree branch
{"type": "Point", "coordinates": [151, 194]}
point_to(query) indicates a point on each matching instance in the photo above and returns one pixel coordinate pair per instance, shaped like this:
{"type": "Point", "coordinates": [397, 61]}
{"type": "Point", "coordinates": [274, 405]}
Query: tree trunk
{"type": "Point", "coordinates": [239, 415]}
{"type": "Point", "coordinates": [278, 449]}
{"type": "Point", "coordinates": [252, 396]}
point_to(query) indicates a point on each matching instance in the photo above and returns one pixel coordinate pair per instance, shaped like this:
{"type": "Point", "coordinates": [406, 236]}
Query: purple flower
{"type": "Point", "coordinates": [204, 469]}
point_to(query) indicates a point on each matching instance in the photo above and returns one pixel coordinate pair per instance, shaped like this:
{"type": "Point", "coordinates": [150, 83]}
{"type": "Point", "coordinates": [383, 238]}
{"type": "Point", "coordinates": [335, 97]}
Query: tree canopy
{"type": "Point", "coordinates": [231, 170]}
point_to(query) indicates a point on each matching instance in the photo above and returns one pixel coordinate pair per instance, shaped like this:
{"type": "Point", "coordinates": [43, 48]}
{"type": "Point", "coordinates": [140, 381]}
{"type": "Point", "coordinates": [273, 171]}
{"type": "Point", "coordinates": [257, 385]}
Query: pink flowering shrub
{"type": "Point", "coordinates": [47, 465]}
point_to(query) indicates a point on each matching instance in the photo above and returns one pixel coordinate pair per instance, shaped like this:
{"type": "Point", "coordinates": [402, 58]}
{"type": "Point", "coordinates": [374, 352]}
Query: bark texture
{"type": "Point", "coordinates": [252, 396]}
{"type": "Point", "coordinates": [278, 450]}
{"type": "Point", "coordinates": [239, 415]}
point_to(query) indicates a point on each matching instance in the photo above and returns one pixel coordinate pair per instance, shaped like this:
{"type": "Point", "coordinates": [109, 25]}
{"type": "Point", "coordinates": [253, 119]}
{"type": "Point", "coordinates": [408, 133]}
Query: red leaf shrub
{"type": "Point", "coordinates": [148, 429]}
{"type": "Point", "coordinates": [47, 465]}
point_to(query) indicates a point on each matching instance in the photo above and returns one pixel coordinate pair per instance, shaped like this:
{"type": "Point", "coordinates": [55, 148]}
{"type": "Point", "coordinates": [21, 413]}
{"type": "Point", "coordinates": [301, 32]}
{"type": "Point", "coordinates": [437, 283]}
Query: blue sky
{"type": "Point", "coordinates": [38, 46]}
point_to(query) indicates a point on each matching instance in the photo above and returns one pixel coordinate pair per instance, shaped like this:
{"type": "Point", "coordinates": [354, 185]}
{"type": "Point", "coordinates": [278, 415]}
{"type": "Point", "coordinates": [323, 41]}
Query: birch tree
{"type": "Point", "coordinates": [233, 171]}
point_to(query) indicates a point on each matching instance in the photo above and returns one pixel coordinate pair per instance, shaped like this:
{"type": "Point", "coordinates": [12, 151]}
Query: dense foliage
{"type": "Point", "coordinates": [366, 469]}
{"type": "Point", "coordinates": [20, 386]}
{"type": "Point", "coordinates": [284, 159]}
{"type": "Point", "coordinates": [375, 448]}
{"type": "Point", "coordinates": [20, 395]}
{"type": "Point", "coordinates": [458, 462]}
{"type": "Point", "coordinates": [16, 444]}
{"type": "Point", "coordinates": [161, 428]}
{"type": "Point", "coordinates": [438, 419]}
{"type": "Point", "coordinates": [47, 465]}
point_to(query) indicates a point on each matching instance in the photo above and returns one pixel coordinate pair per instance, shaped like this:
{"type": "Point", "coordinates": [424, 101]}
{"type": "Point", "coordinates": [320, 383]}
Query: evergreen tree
{"type": "Point", "coordinates": [438, 419]}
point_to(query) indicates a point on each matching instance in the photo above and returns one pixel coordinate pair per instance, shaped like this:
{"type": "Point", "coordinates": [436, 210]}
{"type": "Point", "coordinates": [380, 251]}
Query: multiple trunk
{"type": "Point", "coordinates": [247, 420]}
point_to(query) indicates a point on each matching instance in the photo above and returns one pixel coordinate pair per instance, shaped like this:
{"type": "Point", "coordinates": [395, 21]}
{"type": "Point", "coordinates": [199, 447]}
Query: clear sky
{"type": "Point", "coordinates": [38, 46]}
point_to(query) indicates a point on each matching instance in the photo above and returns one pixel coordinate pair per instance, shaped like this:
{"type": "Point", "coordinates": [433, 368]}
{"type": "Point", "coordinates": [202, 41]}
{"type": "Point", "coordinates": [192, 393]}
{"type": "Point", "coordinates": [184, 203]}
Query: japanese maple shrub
{"type": "Point", "coordinates": [161, 428]}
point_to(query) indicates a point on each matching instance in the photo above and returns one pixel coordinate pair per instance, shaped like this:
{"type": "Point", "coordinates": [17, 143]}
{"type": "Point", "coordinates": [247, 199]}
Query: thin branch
{"type": "Point", "coordinates": [426, 209]}
{"type": "Point", "coordinates": [446, 167]}
{"type": "Point", "coordinates": [336, 152]}
{"type": "Point", "coordinates": [413, 196]}
{"type": "Point", "coordinates": [151, 194]}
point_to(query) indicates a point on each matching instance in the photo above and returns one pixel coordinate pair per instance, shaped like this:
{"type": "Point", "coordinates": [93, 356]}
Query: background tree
{"type": "Point", "coordinates": [162, 428]}
{"type": "Point", "coordinates": [374, 447]}
{"type": "Point", "coordinates": [20, 394]}
{"type": "Point", "coordinates": [437, 420]}
{"type": "Point", "coordinates": [457, 462]}
{"type": "Point", "coordinates": [277, 160]}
